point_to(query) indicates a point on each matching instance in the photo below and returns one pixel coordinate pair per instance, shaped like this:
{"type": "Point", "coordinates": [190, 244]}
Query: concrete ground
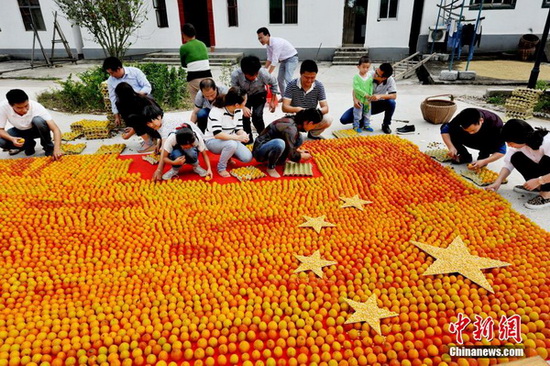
{"type": "Point", "coordinates": [337, 81]}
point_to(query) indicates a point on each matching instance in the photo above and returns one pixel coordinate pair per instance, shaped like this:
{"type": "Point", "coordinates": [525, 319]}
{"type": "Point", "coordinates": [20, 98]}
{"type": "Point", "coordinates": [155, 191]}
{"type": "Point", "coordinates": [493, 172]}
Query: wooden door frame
{"type": "Point", "coordinates": [210, 15]}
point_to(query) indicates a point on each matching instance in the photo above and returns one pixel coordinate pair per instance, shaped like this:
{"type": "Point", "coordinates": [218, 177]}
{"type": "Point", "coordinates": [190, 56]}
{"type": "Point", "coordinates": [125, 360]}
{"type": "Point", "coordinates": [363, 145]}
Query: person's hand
{"type": "Point", "coordinates": [273, 103]}
{"type": "Point", "coordinates": [157, 176]}
{"type": "Point", "coordinates": [209, 175]}
{"type": "Point", "coordinates": [493, 187]}
{"type": "Point", "coordinates": [477, 165]}
{"type": "Point", "coordinates": [373, 98]}
{"type": "Point", "coordinates": [18, 141]}
{"type": "Point", "coordinates": [57, 153]}
{"type": "Point", "coordinates": [356, 103]}
{"type": "Point", "coordinates": [246, 112]}
{"type": "Point", "coordinates": [243, 138]}
{"type": "Point", "coordinates": [532, 184]}
{"type": "Point", "coordinates": [118, 120]}
{"type": "Point", "coordinates": [179, 161]}
{"type": "Point", "coordinates": [304, 155]}
{"type": "Point", "coordinates": [453, 153]}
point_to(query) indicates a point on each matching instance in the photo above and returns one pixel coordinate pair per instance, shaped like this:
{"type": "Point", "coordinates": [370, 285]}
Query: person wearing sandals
{"type": "Point", "coordinates": [281, 140]}
{"type": "Point", "coordinates": [129, 103]}
{"type": "Point", "coordinates": [225, 135]}
{"type": "Point", "coordinates": [529, 153]}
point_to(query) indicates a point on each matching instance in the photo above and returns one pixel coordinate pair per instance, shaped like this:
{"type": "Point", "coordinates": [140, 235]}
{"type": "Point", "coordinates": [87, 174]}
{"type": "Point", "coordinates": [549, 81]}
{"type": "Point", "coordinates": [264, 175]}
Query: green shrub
{"type": "Point", "coordinates": [497, 99]}
{"type": "Point", "coordinates": [83, 96]}
{"type": "Point", "coordinates": [543, 104]}
{"type": "Point", "coordinates": [542, 85]}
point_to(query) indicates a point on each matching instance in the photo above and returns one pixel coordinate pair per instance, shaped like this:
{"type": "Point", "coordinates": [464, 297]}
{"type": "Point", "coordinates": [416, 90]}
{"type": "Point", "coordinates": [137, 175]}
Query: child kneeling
{"type": "Point", "coordinates": [182, 147]}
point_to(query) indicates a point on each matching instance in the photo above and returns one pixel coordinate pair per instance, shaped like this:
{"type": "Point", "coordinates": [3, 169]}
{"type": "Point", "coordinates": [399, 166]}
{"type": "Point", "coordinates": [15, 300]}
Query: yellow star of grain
{"type": "Point", "coordinates": [316, 223]}
{"type": "Point", "coordinates": [456, 258]}
{"type": "Point", "coordinates": [368, 312]}
{"type": "Point", "coordinates": [313, 263]}
{"type": "Point", "coordinates": [354, 201]}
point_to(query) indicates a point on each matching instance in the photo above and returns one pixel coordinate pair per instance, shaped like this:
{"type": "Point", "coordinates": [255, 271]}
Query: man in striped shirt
{"type": "Point", "coordinates": [306, 92]}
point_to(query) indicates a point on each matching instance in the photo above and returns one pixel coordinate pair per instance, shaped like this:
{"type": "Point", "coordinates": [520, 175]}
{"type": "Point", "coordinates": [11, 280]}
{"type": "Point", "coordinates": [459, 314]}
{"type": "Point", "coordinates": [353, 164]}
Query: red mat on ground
{"type": "Point", "coordinates": [146, 169]}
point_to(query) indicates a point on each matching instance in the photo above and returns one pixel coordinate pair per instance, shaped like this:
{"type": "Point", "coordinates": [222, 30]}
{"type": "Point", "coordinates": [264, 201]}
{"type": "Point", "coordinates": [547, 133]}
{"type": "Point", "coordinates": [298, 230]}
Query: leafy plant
{"type": "Point", "coordinates": [543, 104]}
{"type": "Point", "coordinates": [542, 85]}
{"type": "Point", "coordinates": [84, 96]}
{"type": "Point", "coordinates": [110, 22]}
{"type": "Point", "coordinates": [497, 99]}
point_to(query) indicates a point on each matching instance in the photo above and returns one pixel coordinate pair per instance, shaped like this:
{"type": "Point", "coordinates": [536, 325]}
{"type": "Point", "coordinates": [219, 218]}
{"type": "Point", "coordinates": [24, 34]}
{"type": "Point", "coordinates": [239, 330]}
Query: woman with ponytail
{"type": "Point", "coordinates": [225, 135]}
{"type": "Point", "coordinates": [529, 153]}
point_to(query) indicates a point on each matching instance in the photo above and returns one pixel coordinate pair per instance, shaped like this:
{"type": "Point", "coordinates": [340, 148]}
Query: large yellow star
{"type": "Point", "coordinates": [313, 263]}
{"type": "Point", "coordinates": [316, 223]}
{"type": "Point", "coordinates": [368, 312]}
{"type": "Point", "coordinates": [354, 201]}
{"type": "Point", "coordinates": [456, 258]}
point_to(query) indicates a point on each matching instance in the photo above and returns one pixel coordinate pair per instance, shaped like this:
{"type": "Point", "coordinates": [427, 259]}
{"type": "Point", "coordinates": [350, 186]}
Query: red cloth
{"type": "Point", "coordinates": [147, 170]}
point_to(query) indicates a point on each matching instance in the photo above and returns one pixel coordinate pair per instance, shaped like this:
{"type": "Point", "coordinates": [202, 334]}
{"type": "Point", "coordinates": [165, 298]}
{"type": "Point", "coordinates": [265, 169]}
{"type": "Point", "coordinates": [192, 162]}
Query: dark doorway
{"type": "Point", "coordinates": [355, 22]}
{"type": "Point", "coordinates": [418, 8]}
{"type": "Point", "coordinates": [196, 13]}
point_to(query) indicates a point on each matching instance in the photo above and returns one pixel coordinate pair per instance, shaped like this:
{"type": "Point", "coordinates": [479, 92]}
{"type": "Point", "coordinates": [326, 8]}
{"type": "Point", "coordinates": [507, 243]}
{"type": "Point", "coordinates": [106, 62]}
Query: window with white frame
{"type": "Point", "coordinates": [31, 14]}
{"type": "Point", "coordinates": [493, 4]}
{"type": "Point", "coordinates": [388, 9]}
{"type": "Point", "coordinates": [283, 11]}
{"type": "Point", "coordinates": [232, 13]}
{"type": "Point", "coordinates": [160, 10]}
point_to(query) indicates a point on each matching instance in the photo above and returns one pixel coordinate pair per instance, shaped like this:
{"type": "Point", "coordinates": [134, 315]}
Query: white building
{"type": "Point", "coordinates": [390, 29]}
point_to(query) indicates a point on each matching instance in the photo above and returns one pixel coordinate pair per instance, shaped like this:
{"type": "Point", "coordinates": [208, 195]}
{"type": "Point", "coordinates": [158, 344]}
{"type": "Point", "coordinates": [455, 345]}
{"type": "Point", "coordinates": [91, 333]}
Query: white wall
{"type": "Point", "coordinates": [388, 33]}
{"type": "Point", "coordinates": [319, 21]}
{"type": "Point", "coordinates": [14, 35]}
{"type": "Point", "coordinates": [527, 17]}
{"type": "Point", "coordinates": [150, 36]}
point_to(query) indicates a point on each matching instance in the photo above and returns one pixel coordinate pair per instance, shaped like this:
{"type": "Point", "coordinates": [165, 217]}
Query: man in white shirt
{"type": "Point", "coordinates": [30, 120]}
{"type": "Point", "coordinates": [118, 74]}
{"type": "Point", "coordinates": [279, 52]}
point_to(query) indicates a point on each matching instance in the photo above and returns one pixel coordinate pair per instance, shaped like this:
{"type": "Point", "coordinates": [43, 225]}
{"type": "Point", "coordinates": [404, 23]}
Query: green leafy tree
{"type": "Point", "coordinates": [110, 22]}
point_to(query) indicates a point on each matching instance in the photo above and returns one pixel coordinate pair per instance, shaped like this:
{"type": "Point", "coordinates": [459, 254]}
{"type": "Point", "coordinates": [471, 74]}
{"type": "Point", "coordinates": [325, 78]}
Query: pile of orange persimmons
{"type": "Point", "coordinates": [101, 267]}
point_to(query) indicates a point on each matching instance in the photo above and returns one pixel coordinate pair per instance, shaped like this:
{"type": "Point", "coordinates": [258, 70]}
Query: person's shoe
{"type": "Point", "coordinates": [368, 128]}
{"type": "Point", "coordinates": [48, 152]}
{"type": "Point", "coordinates": [30, 151]}
{"type": "Point", "coordinates": [15, 151]}
{"type": "Point", "coordinates": [522, 189]}
{"type": "Point", "coordinates": [386, 128]}
{"type": "Point", "coordinates": [147, 146]}
{"type": "Point", "coordinates": [405, 130]}
{"type": "Point", "coordinates": [312, 137]}
{"type": "Point", "coordinates": [200, 171]}
{"type": "Point", "coordinates": [172, 173]}
{"type": "Point", "coordinates": [537, 203]}
{"type": "Point", "coordinates": [224, 173]}
{"type": "Point", "coordinates": [273, 173]}
{"type": "Point", "coordinates": [358, 129]}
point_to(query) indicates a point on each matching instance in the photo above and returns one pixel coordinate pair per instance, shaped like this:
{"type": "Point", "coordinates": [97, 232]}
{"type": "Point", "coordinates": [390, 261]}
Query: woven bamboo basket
{"type": "Point", "coordinates": [438, 111]}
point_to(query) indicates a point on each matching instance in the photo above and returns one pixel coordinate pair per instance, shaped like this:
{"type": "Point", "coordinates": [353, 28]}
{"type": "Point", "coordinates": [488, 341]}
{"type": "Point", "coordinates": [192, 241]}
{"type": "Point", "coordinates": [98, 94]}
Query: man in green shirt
{"type": "Point", "coordinates": [194, 57]}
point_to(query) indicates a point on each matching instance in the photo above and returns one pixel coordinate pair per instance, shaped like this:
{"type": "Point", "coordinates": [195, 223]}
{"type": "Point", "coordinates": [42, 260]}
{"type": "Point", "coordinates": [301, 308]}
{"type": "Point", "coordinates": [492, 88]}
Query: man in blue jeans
{"type": "Point", "coordinates": [279, 52]}
{"type": "Point", "coordinates": [383, 99]}
{"type": "Point", "coordinates": [281, 139]}
{"type": "Point", "coordinates": [207, 94]}
{"type": "Point", "coordinates": [30, 120]}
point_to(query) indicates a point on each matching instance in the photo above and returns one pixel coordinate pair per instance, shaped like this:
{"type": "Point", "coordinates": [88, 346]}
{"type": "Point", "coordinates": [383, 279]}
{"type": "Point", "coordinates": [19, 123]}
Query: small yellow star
{"type": "Point", "coordinates": [354, 201]}
{"type": "Point", "coordinates": [316, 223]}
{"type": "Point", "coordinates": [313, 263]}
{"type": "Point", "coordinates": [368, 312]}
{"type": "Point", "coordinates": [456, 258]}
